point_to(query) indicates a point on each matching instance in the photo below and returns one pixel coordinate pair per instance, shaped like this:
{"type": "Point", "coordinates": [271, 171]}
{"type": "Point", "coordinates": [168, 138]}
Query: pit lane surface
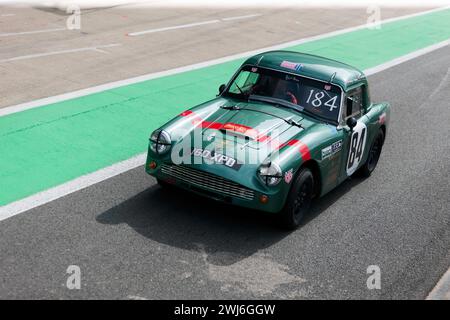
{"type": "Point", "coordinates": [108, 53]}
{"type": "Point", "coordinates": [134, 240]}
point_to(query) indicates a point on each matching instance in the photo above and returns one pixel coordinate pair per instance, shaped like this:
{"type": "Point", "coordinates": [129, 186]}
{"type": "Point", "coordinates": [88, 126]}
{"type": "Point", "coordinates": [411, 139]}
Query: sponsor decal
{"type": "Point", "coordinates": [215, 157]}
{"type": "Point", "coordinates": [291, 65]}
{"type": "Point", "coordinates": [382, 118]}
{"type": "Point", "coordinates": [327, 87]}
{"type": "Point", "coordinates": [292, 78]}
{"type": "Point", "coordinates": [331, 149]}
{"type": "Point", "coordinates": [288, 175]}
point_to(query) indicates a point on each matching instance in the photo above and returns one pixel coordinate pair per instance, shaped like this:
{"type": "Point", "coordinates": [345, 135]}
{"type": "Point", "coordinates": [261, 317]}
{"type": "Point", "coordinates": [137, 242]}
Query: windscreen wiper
{"type": "Point", "coordinates": [245, 95]}
{"type": "Point", "coordinates": [292, 122]}
{"type": "Point", "coordinates": [276, 102]}
{"type": "Point", "coordinates": [315, 116]}
{"type": "Point", "coordinates": [284, 104]}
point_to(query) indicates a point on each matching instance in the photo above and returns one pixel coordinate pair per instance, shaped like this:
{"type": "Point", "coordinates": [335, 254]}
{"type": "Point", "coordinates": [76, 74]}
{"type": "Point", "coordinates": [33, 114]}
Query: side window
{"type": "Point", "coordinates": [354, 103]}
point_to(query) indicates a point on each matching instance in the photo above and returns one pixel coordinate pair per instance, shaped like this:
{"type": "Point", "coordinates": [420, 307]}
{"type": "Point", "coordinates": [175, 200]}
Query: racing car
{"type": "Point", "coordinates": [287, 128]}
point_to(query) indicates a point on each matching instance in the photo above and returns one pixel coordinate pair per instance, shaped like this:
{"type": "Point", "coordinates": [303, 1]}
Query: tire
{"type": "Point", "coordinates": [374, 155]}
{"type": "Point", "coordinates": [299, 200]}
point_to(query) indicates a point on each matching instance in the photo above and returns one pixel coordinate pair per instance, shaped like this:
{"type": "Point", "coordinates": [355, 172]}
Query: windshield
{"type": "Point", "coordinates": [316, 97]}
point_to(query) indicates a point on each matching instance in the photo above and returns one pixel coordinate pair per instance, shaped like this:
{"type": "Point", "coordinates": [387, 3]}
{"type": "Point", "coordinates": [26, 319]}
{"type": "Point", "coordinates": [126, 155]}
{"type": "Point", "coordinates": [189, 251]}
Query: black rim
{"type": "Point", "coordinates": [303, 199]}
{"type": "Point", "coordinates": [374, 154]}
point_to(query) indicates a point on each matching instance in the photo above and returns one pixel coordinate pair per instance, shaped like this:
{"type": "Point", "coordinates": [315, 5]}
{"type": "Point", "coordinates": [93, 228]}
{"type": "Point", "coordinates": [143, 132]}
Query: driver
{"type": "Point", "coordinates": [287, 91]}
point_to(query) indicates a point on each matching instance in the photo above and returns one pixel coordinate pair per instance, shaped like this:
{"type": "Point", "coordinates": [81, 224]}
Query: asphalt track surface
{"type": "Point", "coordinates": [134, 240]}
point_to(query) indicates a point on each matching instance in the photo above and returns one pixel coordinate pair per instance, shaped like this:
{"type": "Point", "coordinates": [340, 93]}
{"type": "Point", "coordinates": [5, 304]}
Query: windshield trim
{"type": "Point", "coordinates": [336, 122]}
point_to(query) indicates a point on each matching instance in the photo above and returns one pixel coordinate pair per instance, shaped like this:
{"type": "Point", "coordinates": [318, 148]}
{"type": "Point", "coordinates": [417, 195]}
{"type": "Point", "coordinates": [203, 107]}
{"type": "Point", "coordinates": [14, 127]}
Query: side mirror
{"type": "Point", "coordinates": [351, 122]}
{"type": "Point", "coordinates": [222, 88]}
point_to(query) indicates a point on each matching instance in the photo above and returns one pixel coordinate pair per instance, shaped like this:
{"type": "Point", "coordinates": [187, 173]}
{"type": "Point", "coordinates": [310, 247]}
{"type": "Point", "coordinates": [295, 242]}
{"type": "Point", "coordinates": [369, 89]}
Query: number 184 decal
{"type": "Point", "coordinates": [356, 147]}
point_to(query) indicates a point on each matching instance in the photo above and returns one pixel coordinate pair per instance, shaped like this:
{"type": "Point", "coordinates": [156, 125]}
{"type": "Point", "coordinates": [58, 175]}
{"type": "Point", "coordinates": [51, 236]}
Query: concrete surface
{"type": "Point", "coordinates": [29, 79]}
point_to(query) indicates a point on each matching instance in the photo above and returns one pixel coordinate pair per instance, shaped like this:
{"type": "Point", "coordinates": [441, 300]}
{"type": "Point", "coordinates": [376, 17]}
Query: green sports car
{"type": "Point", "coordinates": [287, 128]}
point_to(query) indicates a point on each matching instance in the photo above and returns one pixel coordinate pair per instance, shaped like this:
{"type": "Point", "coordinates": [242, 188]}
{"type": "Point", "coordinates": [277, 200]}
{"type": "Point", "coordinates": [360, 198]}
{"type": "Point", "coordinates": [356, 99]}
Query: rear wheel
{"type": "Point", "coordinates": [299, 200]}
{"type": "Point", "coordinates": [374, 155]}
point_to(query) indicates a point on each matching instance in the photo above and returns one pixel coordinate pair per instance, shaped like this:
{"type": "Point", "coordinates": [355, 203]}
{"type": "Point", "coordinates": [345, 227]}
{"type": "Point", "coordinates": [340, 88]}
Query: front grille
{"type": "Point", "coordinates": [208, 181]}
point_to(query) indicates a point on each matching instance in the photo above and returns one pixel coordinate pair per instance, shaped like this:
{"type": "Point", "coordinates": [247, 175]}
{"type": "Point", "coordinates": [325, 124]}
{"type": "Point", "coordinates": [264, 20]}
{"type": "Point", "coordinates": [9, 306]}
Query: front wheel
{"type": "Point", "coordinates": [299, 200]}
{"type": "Point", "coordinates": [374, 155]}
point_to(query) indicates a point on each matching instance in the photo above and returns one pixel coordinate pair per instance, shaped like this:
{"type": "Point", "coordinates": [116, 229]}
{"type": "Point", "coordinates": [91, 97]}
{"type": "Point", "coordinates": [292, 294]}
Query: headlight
{"type": "Point", "coordinates": [160, 141]}
{"type": "Point", "coordinates": [270, 173]}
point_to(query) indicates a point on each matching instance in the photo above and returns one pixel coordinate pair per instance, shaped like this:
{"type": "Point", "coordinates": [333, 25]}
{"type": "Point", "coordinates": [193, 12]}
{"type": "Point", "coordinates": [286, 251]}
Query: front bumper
{"type": "Point", "coordinates": [215, 187]}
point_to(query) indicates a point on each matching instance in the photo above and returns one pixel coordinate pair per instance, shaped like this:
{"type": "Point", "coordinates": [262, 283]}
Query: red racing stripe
{"type": "Point", "coordinates": [186, 113]}
{"type": "Point", "coordinates": [303, 148]}
{"type": "Point", "coordinates": [304, 151]}
{"type": "Point", "coordinates": [239, 128]}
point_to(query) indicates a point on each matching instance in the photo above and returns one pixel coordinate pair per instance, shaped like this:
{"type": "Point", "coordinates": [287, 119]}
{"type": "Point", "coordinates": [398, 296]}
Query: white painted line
{"type": "Point", "coordinates": [120, 83]}
{"type": "Point", "coordinates": [52, 53]}
{"type": "Point", "coordinates": [11, 34]}
{"type": "Point", "coordinates": [442, 289]}
{"type": "Point", "coordinates": [191, 25]}
{"type": "Point", "coordinates": [70, 187]}
{"type": "Point", "coordinates": [8, 15]}
{"type": "Point", "coordinates": [241, 17]}
{"type": "Point", "coordinates": [182, 26]}
{"type": "Point", "coordinates": [85, 181]}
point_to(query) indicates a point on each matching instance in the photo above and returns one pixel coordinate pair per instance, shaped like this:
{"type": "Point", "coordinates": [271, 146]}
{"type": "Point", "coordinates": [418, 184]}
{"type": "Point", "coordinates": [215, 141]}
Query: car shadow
{"type": "Point", "coordinates": [225, 233]}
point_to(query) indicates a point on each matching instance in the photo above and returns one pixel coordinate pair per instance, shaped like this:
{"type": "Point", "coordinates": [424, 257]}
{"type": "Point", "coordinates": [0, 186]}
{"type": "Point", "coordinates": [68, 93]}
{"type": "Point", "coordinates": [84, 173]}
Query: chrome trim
{"type": "Point", "coordinates": [208, 181]}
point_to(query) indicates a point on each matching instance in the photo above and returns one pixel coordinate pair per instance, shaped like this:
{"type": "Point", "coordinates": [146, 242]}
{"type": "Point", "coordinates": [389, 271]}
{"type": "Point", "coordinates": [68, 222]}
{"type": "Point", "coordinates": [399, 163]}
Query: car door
{"type": "Point", "coordinates": [355, 139]}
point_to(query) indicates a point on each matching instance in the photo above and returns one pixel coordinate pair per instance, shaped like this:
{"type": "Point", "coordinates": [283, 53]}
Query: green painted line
{"type": "Point", "coordinates": [43, 147]}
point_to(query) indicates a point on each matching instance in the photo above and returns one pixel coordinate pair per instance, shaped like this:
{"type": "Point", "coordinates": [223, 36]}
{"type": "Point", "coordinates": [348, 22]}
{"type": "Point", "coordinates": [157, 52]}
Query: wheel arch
{"type": "Point", "coordinates": [312, 165]}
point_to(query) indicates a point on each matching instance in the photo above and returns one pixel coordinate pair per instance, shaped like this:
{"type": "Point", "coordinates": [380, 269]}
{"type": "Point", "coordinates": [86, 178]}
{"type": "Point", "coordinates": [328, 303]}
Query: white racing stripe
{"type": "Point", "coordinates": [85, 181]}
{"type": "Point", "coordinates": [191, 25]}
{"type": "Point", "coordinates": [11, 34]}
{"type": "Point", "coordinates": [52, 53]}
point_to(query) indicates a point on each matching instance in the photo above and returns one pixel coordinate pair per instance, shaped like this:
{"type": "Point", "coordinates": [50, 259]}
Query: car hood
{"type": "Point", "coordinates": [250, 129]}
{"type": "Point", "coordinates": [254, 126]}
